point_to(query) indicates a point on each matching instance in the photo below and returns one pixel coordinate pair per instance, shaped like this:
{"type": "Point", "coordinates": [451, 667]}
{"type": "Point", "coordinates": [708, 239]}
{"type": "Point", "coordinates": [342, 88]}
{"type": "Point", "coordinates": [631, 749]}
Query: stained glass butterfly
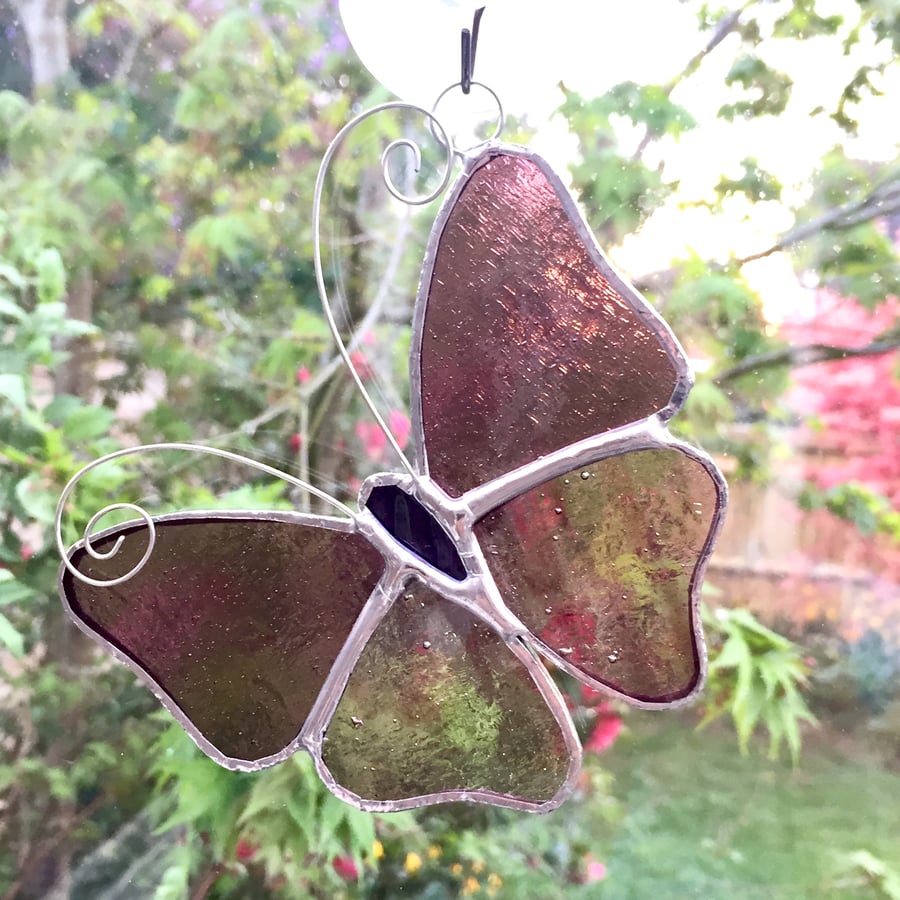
{"type": "Point", "coordinates": [548, 519]}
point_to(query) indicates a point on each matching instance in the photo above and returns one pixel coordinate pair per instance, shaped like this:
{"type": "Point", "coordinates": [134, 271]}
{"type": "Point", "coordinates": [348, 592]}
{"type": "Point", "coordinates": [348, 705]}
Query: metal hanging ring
{"type": "Point", "coordinates": [498, 128]}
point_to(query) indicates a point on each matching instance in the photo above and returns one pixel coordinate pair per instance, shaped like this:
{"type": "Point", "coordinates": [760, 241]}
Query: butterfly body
{"type": "Point", "coordinates": [546, 514]}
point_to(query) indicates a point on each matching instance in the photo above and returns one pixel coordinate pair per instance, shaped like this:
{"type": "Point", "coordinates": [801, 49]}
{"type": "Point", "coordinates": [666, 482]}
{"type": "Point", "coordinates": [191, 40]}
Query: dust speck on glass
{"type": "Point", "coordinates": [545, 520]}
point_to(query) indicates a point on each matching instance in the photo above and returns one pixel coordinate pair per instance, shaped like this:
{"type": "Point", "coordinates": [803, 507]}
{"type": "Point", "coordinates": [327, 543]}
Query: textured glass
{"type": "Point", "coordinates": [599, 565]}
{"type": "Point", "coordinates": [416, 528]}
{"type": "Point", "coordinates": [526, 346]}
{"type": "Point", "coordinates": [438, 703]}
{"type": "Point", "coordinates": [238, 621]}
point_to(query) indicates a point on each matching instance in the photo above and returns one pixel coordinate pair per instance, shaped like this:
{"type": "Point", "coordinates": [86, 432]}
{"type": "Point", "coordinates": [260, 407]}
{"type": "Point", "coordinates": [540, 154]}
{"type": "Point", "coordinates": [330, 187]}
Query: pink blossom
{"type": "Point", "coordinates": [398, 422]}
{"type": "Point", "coordinates": [361, 364]}
{"type": "Point", "coordinates": [595, 871]}
{"type": "Point", "coordinates": [373, 439]}
{"type": "Point", "coordinates": [303, 375]}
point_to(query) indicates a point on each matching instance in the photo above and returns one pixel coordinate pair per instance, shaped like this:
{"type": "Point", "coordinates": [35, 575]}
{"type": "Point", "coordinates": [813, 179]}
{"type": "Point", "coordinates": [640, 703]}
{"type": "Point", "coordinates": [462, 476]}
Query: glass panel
{"type": "Point", "coordinates": [416, 528]}
{"type": "Point", "coordinates": [560, 354]}
{"type": "Point", "coordinates": [238, 621]}
{"type": "Point", "coordinates": [599, 564]}
{"type": "Point", "coordinates": [438, 703]}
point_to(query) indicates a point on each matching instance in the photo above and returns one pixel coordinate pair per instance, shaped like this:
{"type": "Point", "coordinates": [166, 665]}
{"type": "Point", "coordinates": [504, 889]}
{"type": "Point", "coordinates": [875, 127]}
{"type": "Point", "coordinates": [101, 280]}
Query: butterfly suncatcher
{"type": "Point", "coordinates": [545, 520]}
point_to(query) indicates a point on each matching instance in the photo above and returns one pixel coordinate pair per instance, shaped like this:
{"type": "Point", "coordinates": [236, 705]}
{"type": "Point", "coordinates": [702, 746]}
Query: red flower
{"type": "Point", "coordinates": [361, 364]}
{"type": "Point", "coordinates": [346, 868]}
{"type": "Point", "coordinates": [606, 730]}
{"type": "Point", "coordinates": [303, 375]}
{"type": "Point", "coordinates": [244, 851]}
{"type": "Point", "coordinates": [296, 442]}
{"type": "Point", "coordinates": [373, 440]}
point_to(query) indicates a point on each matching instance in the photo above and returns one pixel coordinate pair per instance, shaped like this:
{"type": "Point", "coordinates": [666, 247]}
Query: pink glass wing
{"type": "Point", "coordinates": [236, 621]}
{"type": "Point", "coordinates": [603, 566]}
{"type": "Point", "coordinates": [529, 340]}
{"type": "Point", "coordinates": [436, 704]}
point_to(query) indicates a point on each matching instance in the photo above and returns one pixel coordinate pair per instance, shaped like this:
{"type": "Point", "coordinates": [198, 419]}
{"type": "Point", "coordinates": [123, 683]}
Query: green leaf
{"type": "Point", "coordinates": [12, 387]}
{"type": "Point", "coordinates": [37, 502]}
{"type": "Point", "coordinates": [13, 109]}
{"type": "Point", "coordinates": [223, 235]}
{"type": "Point", "coordinates": [310, 326]}
{"type": "Point", "coordinates": [803, 22]}
{"type": "Point", "coordinates": [768, 90]}
{"type": "Point", "coordinates": [88, 422]}
{"type": "Point", "coordinates": [755, 183]}
{"type": "Point", "coordinates": [12, 590]}
{"type": "Point", "coordinates": [13, 276]}
{"type": "Point", "coordinates": [61, 407]}
{"type": "Point", "coordinates": [649, 105]}
{"type": "Point", "coordinates": [331, 814]}
{"type": "Point", "coordinates": [11, 309]}
{"type": "Point", "coordinates": [733, 654]}
{"type": "Point", "coordinates": [362, 829]}
{"type": "Point", "coordinates": [709, 402]}
{"type": "Point", "coordinates": [51, 275]}
{"type": "Point", "coordinates": [10, 638]}
{"type": "Point", "coordinates": [281, 359]}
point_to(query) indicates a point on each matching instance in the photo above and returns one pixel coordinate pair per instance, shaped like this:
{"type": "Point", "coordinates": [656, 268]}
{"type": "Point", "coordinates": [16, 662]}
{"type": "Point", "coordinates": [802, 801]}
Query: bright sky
{"type": "Point", "coordinates": [412, 47]}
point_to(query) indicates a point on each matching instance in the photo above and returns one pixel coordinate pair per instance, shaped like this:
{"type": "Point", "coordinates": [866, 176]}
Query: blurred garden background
{"type": "Point", "coordinates": [157, 162]}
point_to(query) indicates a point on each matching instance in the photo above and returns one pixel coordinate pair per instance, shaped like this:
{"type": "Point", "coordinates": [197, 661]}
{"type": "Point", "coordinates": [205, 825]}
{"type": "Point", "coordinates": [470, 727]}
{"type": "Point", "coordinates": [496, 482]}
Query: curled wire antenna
{"type": "Point", "coordinates": [419, 200]}
{"type": "Point", "coordinates": [345, 511]}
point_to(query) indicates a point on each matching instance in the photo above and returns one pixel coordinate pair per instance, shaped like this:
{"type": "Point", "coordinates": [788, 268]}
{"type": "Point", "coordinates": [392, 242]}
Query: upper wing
{"type": "Point", "coordinates": [603, 565]}
{"type": "Point", "coordinates": [526, 340]}
{"type": "Point", "coordinates": [234, 621]}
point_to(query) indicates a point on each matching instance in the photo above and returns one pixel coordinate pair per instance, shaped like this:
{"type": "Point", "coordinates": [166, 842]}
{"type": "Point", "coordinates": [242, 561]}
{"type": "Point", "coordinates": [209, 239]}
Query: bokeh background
{"type": "Point", "coordinates": [740, 163]}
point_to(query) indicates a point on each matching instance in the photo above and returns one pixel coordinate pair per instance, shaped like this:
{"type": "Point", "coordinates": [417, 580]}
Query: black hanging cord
{"type": "Point", "coordinates": [469, 45]}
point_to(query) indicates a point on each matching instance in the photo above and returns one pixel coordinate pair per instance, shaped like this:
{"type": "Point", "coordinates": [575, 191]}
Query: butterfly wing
{"type": "Point", "coordinates": [526, 340]}
{"type": "Point", "coordinates": [438, 709]}
{"type": "Point", "coordinates": [234, 621]}
{"type": "Point", "coordinates": [603, 564]}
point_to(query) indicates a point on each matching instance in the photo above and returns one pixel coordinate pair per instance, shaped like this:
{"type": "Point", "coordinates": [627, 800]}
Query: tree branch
{"type": "Point", "coordinates": [44, 850]}
{"type": "Point", "coordinates": [883, 200]}
{"type": "Point", "coordinates": [807, 355]}
{"type": "Point", "coordinates": [728, 24]}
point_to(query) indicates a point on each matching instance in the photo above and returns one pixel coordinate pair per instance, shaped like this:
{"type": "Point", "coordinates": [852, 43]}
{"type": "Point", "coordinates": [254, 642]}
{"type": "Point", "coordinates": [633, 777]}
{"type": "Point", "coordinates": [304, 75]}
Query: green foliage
{"type": "Point", "coordinates": [721, 309]}
{"type": "Point", "coordinates": [155, 247]}
{"type": "Point", "coordinates": [648, 105]}
{"type": "Point", "coordinates": [278, 827]}
{"type": "Point", "coordinates": [756, 676]}
{"type": "Point", "coordinates": [851, 253]}
{"type": "Point", "coordinates": [703, 821]}
{"type": "Point", "coordinates": [863, 869]}
{"type": "Point", "coordinates": [856, 503]}
{"type": "Point", "coordinates": [458, 851]}
{"type": "Point", "coordinates": [803, 21]}
{"type": "Point", "coordinates": [754, 183]}
{"type": "Point", "coordinates": [768, 90]}
{"type": "Point", "coordinates": [619, 188]}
